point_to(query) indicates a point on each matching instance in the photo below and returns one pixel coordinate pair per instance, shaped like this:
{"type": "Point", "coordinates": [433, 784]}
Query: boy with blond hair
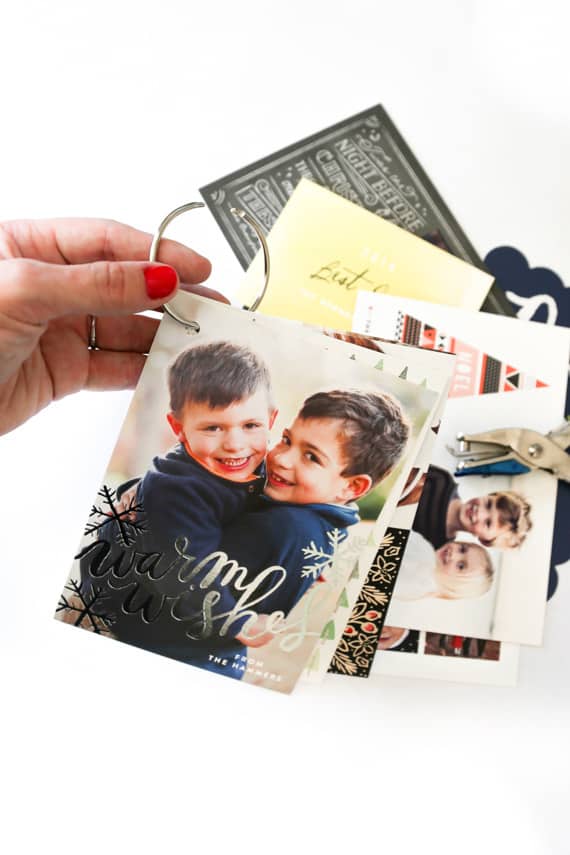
{"type": "Point", "coordinates": [457, 570]}
{"type": "Point", "coordinates": [499, 519]}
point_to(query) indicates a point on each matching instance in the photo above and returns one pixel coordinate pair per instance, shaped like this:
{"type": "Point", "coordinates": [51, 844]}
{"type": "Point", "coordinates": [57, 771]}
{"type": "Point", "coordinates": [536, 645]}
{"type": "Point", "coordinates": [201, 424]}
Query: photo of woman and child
{"type": "Point", "coordinates": [226, 518]}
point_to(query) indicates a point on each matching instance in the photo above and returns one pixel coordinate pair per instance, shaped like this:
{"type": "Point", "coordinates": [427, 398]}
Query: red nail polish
{"type": "Point", "coordinates": [161, 280]}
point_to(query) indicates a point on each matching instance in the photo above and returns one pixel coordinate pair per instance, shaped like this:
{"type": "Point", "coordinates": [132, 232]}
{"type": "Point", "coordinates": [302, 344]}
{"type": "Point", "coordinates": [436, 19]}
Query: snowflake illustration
{"type": "Point", "coordinates": [322, 561]}
{"type": "Point", "coordinates": [83, 607]}
{"type": "Point", "coordinates": [129, 521]}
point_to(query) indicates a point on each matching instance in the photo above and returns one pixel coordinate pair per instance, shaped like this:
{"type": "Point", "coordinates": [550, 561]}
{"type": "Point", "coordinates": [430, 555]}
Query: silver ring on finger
{"type": "Point", "coordinates": [92, 338]}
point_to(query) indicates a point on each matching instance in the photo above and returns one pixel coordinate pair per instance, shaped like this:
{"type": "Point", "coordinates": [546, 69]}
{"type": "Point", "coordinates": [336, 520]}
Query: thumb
{"type": "Point", "coordinates": [37, 292]}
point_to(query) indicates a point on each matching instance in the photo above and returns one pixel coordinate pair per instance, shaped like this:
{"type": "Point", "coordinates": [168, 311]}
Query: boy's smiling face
{"type": "Point", "coordinates": [306, 466]}
{"type": "Point", "coordinates": [482, 518]}
{"type": "Point", "coordinates": [229, 441]}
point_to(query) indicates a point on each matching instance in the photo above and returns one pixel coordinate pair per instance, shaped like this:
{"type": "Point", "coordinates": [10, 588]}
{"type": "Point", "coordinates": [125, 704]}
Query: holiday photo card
{"type": "Point", "coordinates": [228, 521]}
{"type": "Point", "coordinates": [347, 643]}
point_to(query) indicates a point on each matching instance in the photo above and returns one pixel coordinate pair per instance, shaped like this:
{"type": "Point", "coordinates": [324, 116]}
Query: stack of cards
{"type": "Point", "coordinates": [363, 159]}
{"type": "Point", "coordinates": [241, 548]}
{"type": "Point", "coordinates": [282, 498]}
{"type": "Point", "coordinates": [507, 372]}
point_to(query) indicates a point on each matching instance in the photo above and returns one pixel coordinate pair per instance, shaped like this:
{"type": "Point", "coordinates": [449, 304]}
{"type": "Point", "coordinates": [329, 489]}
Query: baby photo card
{"type": "Point", "coordinates": [363, 159]}
{"type": "Point", "coordinates": [325, 249]}
{"type": "Point", "coordinates": [229, 520]}
{"type": "Point", "coordinates": [477, 561]}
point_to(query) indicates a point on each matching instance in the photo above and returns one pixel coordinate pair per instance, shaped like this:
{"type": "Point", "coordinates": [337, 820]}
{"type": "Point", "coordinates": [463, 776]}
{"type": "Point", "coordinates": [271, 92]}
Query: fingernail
{"type": "Point", "coordinates": [161, 280]}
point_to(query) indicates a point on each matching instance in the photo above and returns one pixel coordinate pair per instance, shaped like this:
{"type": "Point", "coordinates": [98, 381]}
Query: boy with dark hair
{"type": "Point", "coordinates": [217, 374]}
{"type": "Point", "coordinates": [340, 445]}
{"type": "Point", "coordinates": [374, 430]}
{"type": "Point", "coordinates": [221, 411]}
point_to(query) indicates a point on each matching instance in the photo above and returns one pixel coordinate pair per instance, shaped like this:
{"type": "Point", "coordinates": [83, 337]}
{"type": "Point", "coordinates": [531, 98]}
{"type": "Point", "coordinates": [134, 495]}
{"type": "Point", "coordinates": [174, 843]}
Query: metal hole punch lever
{"type": "Point", "coordinates": [513, 451]}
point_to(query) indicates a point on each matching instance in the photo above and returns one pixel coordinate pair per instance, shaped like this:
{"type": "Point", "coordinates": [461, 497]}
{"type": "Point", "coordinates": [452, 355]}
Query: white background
{"type": "Point", "coordinates": [123, 110]}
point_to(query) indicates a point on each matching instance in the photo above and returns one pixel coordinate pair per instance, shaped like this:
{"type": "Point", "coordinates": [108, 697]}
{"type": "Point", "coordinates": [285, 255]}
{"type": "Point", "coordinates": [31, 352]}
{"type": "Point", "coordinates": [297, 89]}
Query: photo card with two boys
{"type": "Point", "coordinates": [230, 518]}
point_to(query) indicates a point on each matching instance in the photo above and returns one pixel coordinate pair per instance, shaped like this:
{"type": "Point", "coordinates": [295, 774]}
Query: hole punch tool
{"type": "Point", "coordinates": [514, 451]}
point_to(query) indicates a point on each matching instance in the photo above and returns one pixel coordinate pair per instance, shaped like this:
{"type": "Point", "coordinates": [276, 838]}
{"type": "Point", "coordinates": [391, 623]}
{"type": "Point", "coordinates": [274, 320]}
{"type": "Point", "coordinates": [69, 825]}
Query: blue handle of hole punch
{"type": "Point", "coordinates": [505, 467]}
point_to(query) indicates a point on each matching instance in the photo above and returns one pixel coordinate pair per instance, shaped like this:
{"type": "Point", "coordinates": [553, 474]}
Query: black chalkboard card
{"type": "Point", "coordinates": [366, 160]}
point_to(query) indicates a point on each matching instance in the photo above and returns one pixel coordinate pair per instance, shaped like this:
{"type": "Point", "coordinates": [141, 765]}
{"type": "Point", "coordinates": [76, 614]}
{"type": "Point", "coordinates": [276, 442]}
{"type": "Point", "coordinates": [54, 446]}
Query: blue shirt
{"type": "Point", "coordinates": [181, 498]}
{"type": "Point", "coordinates": [177, 500]}
{"type": "Point", "coordinates": [276, 534]}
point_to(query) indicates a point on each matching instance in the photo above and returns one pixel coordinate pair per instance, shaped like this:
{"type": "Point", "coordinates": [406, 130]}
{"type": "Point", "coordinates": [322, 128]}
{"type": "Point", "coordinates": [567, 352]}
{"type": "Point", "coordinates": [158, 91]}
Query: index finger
{"type": "Point", "coordinates": [83, 240]}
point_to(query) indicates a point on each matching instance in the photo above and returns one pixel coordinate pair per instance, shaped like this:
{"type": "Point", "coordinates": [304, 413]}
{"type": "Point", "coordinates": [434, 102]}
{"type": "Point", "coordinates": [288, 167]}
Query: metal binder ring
{"type": "Point", "coordinates": [193, 325]}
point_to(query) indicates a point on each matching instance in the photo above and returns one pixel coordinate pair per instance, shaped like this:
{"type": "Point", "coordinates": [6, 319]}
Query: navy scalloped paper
{"type": "Point", "coordinates": [538, 294]}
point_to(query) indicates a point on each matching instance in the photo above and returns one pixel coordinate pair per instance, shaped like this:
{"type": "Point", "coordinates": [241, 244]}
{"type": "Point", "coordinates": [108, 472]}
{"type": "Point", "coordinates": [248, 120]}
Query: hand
{"type": "Point", "coordinates": [54, 276]}
{"type": "Point", "coordinates": [126, 504]}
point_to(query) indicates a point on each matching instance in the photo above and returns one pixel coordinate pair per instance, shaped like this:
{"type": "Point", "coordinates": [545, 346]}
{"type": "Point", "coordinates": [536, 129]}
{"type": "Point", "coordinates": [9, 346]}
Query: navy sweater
{"type": "Point", "coordinates": [179, 499]}
{"type": "Point", "coordinates": [275, 533]}
{"type": "Point", "coordinates": [272, 535]}
{"type": "Point", "coordinates": [182, 499]}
